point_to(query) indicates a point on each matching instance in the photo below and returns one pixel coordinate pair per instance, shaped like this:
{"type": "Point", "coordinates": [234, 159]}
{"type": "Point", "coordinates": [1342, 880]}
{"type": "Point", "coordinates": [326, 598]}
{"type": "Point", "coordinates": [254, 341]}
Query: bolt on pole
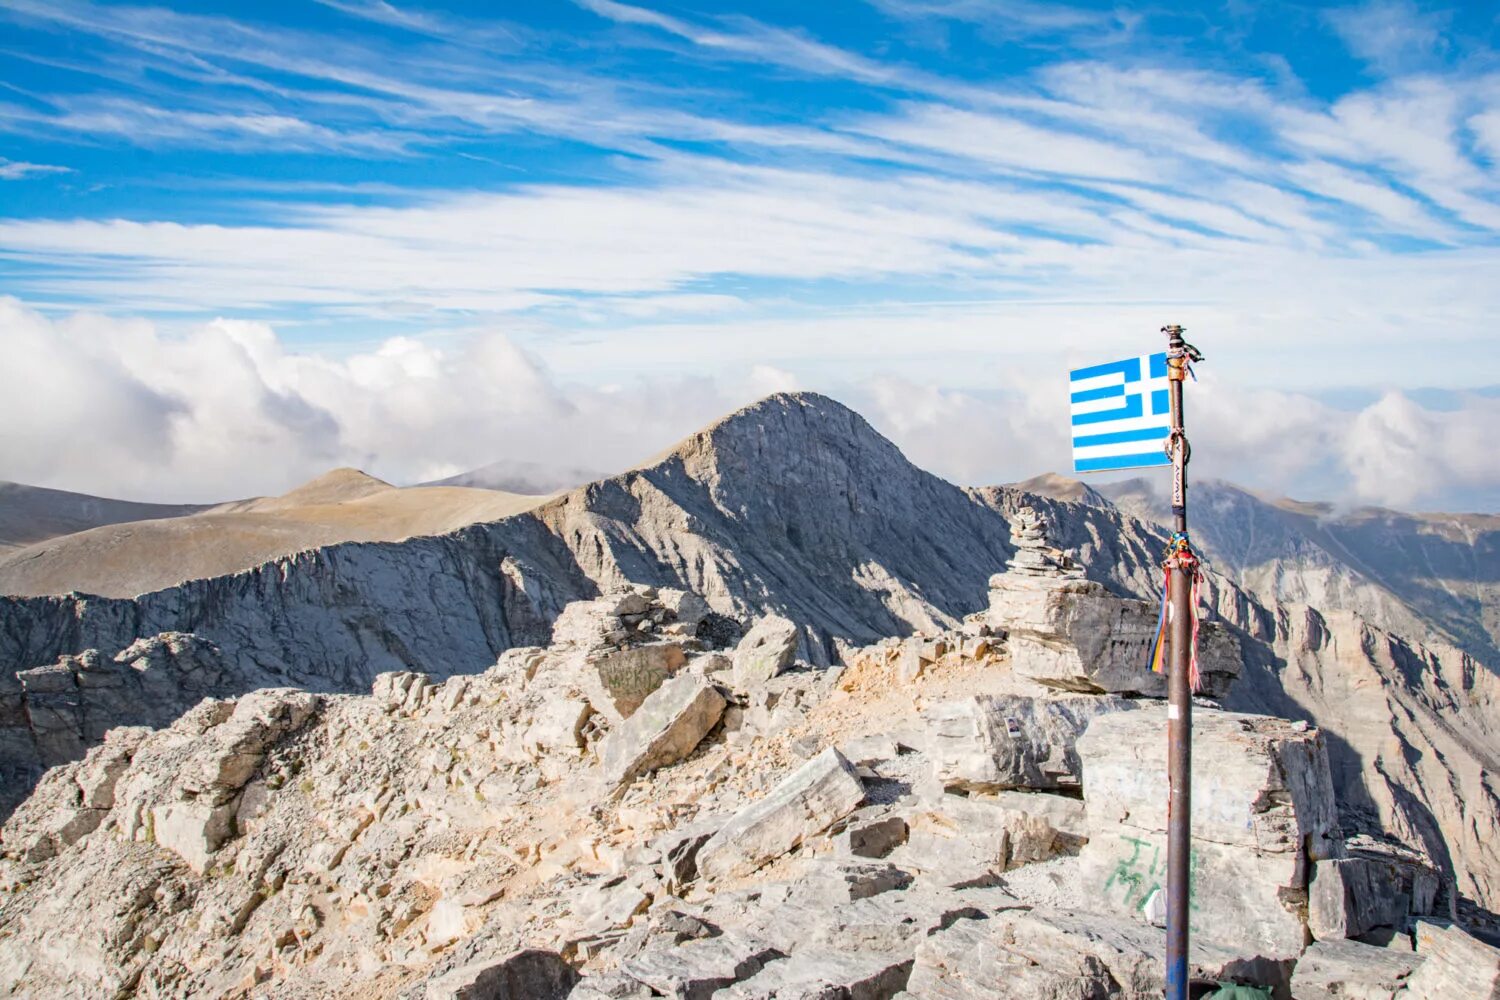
{"type": "Point", "coordinates": [1179, 693]}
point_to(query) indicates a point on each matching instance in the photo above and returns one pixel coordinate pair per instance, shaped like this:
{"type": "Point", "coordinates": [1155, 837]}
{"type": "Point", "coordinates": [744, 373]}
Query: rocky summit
{"type": "Point", "coordinates": [776, 716]}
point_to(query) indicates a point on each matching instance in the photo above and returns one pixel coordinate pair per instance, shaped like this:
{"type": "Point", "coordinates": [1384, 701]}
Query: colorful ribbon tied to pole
{"type": "Point", "coordinates": [1179, 553]}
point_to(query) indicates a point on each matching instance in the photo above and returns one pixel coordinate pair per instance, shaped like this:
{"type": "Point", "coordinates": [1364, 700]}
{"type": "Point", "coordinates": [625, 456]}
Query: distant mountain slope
{"type": "Point", "coordinates": [795, 504]}
{"type": "Point", "coordinates": [136, 557]}
{"type": "Point", "coordinates": [30, 514]}
{"type": "Point", "coordinates": [531, 478]}
{"type": "Point", "coordinates": [1428, 576]}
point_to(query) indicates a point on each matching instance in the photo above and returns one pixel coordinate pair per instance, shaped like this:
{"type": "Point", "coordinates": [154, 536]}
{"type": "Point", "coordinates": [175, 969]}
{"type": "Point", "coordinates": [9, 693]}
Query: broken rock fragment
{"type": "Point", "coordinates": [1351, 896]}
{"type": "Point", "coordinates": [618, 681]}
{"type": "Point", "coordinates": [695, 970]}
{"type": "Point", "coordinates": [1454, 964]}
{"type": "Point", "coordinates": [666, 727]}
{"type": "Point", "coordinates": [832, 974]}
{"type": "Point", "coordinates": [814, 797]}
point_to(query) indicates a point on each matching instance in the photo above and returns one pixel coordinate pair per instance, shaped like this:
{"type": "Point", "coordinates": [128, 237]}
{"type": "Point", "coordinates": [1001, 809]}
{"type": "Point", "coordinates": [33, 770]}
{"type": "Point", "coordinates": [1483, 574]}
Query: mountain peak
{"type": "Point", "coordinates": [781, 424]}
{"type": "Point", "coordinates": [335, 486]}
{"type": "Point", "coordinates": [1059, 487]}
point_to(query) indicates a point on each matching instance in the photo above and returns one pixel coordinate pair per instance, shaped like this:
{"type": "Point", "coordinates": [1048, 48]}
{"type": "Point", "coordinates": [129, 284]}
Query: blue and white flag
{"type": "Point", "coordinates": [1121, 414]}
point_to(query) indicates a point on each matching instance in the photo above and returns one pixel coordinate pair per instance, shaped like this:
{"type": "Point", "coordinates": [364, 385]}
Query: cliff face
{"type": "Point", "coordinates": [1427, 576]}
{"type": "Point", "coordinates": [793, 506]}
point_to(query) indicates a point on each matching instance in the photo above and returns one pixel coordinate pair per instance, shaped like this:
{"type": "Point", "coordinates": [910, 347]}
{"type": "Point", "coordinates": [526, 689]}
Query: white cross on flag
{"type": "Point", "coordinates": [1121, 414]}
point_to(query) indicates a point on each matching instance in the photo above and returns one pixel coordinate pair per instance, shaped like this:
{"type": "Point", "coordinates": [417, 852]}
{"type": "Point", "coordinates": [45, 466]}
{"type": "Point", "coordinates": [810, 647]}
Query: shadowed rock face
{"type": "Point", "coordinates": [793, 506]}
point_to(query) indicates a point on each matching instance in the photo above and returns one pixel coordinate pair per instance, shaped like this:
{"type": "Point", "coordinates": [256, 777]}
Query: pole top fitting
{"type": "Point", "coordinates": [1177, 347]}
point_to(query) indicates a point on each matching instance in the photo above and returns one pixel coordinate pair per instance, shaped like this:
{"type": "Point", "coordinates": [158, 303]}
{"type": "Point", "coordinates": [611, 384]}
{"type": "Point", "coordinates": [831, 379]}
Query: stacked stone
{"type": "Point", "coordinates": [1069, 633]}
{"type": "Point", "coordinates": [1034, 557]}
{"type": "Point", "coordinates": [629, 616]}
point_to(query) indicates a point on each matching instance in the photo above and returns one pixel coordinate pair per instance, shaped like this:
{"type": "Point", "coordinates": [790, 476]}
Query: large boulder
{"type": "Point", "coordinates": [767, 650]}
{"type": "Point", "coordinates": [1262, 812]}
{"type": "Point", "coordinates": [667, 726]}
{"type": "Point", "coordinates": [809, 801]}
{"type": "Point", "coordinates": [618, 681]}
{"type": "Point", "coordinates": [994, 742]}
{"type": "Point", "coordinates": [1074, 635]}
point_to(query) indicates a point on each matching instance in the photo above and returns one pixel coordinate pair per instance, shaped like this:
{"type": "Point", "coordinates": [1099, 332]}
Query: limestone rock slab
{"type": "Point", "coordinates": [695, 970]}
{"type": "Point", "coordinates": [816, 795]}
{"type": "Point", "coordinates": [667, 726]}
{"type": "Point", "coordinates": [993, 742]}
{"type": "Point", "coordinates": [1074, 635]}
{"type": "Point", "coordinates": [1259, 782]}
{"type": "Point", "coordinates": [1454, 964]}
{"type": "Point", "coordinates": [1351, 896]}
{"type": "Point", "coordinates": [1263, 810]}
{"type": "Point", "coordinates": [618, 681]}
{"type": "Point", "coordinates": [832, 975]}
{"type": "Point", "coordinates": [1349, 970]}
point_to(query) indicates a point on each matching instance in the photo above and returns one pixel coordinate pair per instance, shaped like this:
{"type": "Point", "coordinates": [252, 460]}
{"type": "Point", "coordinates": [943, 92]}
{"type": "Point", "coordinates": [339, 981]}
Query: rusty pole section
{"type": "Point", "coordinates": [1179, 693]}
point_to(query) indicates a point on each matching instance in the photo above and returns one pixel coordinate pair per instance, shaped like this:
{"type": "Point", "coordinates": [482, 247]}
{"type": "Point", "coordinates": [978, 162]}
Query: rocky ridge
{"type": "Point", "coordinates": [655, 806]}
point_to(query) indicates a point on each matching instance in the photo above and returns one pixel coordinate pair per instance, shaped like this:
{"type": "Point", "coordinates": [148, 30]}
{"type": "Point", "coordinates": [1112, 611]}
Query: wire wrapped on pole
{"type": "Point", "coordinates": [1179, 554]}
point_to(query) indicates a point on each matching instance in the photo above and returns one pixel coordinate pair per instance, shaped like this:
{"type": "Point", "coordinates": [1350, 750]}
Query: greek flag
{"type": "Point", "coordinates": [1121, 414]}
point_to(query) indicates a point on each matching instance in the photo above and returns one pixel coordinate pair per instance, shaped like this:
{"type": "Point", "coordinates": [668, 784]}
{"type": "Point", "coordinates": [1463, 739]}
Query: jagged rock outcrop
{"type": "Point", "coordinates": [426, 840]}
{"type": "Point", "coordinates": [1413, 735]}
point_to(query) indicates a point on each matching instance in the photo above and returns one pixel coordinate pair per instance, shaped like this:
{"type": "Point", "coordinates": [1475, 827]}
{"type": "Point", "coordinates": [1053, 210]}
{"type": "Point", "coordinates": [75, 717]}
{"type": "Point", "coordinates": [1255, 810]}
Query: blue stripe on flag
{"type": "Point", "coordinates": [1120, 437]}
{"type": "Point", "coordinates": [1160, 404]}
{"type": "Point", "coordinates": [1158, 365]}
{"type": "Point", "coordinates": [1130, 368]}
{"type": "Point", "coordinates": [1120, 462]}
{"type": "Point", "coordinates": [1132, 408]}
{"type": "Point", "coordinates": [1103, 392]}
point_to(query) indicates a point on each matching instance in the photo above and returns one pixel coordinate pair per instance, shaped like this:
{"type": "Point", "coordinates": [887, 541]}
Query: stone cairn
{"type": "Point", "coordinates": [1034, 557]}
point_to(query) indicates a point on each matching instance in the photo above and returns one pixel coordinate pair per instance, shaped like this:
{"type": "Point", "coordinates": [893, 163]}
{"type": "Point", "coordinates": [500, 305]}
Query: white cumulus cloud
{"type": "Point", "coordinates": [225, 409]}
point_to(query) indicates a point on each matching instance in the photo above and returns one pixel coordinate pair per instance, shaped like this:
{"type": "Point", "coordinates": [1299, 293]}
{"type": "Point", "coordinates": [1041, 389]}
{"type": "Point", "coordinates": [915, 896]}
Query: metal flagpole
{"type": "Point", "coordinates": [1182, 569]}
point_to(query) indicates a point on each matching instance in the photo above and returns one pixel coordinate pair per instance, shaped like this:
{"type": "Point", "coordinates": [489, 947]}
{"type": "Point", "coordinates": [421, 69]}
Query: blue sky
{"type": "Point", "coordinates": [931, 208]}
